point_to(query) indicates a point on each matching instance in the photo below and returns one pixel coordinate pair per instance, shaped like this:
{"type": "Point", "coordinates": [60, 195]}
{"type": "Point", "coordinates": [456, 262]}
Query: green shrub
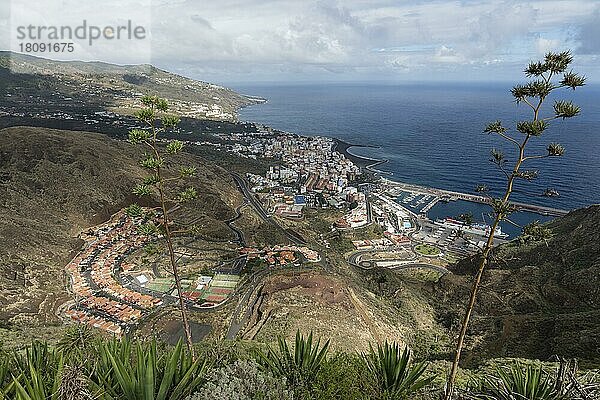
{"type": "Point", "coordinates": [36, 374]}
{"type": "Point", "coordinates": [300, 365]}
{"type": "Point", "coordinates": [533, 382]}
{"type": "Point", "coordinates": [343, 377]}
{"type": "Point", "coordinates": [242, 380]}
{"type": "Point", "coordinates": [142, 372]}
{"type": "Point", "coordinates": [78, 340]}
{"type": "Point", "coordinates": [220, 353]}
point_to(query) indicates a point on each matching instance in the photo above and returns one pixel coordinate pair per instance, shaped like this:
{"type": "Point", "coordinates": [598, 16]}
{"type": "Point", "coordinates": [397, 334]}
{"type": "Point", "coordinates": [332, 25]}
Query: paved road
{"type": "Point", "coordinates": [432, 267]}
{"type": "Point", "coordinates": [353, 260]}
{"type": "Point", "coordinates": [293, 237]}
{"type": "Point", "coordinates": [243, 188]}
{"type": "Point", "coordinates": [238, 233]}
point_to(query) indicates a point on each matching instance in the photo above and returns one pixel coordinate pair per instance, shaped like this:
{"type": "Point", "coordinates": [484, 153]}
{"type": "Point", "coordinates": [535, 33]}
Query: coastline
{"type": "Point", "coordinates": [366, 163]}
{"type": "Point", "coordinates": [374, 175]}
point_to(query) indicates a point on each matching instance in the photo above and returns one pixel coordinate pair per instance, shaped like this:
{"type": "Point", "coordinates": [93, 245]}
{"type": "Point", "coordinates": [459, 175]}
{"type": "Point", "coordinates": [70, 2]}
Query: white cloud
{"type": "Point", "coordinates": [543, 45]}
{"type": "Point", "coordinates": [87, 18]}
{"type": "Point", "coordinates": [448, 55]}
{"type": "Point", "coordinates": [244, 39]}
{"type": "Point", "coordinates": [588, 34]}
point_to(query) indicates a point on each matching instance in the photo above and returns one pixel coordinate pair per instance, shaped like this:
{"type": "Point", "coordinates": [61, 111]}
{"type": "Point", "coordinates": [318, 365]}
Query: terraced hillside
{"type": "Point", "coordinates": [49, 86]}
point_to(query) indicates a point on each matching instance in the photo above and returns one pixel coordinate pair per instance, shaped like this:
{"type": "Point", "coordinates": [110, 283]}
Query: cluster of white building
{"type": "Point", "coordinates": [311, 161]}
{"type": "Point", "coordinates": [358, 216]}
{"type": "Point", "coordinates": [390, 215]}
{"type": "Point", "coordinates": [310, 173]}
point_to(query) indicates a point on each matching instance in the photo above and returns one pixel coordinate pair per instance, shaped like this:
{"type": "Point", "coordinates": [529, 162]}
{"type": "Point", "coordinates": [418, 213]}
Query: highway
{"type": "Point", "coordinates": [292, 236]}
{"type": "Point", "coordinates": [243, 188]}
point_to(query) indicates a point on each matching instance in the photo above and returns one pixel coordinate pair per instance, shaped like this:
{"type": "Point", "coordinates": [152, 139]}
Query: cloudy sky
{"type": "Point", "coordinates": [305, 40]}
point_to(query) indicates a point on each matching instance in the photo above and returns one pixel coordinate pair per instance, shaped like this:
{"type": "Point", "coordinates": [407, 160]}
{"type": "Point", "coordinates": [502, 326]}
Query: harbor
{"type": "Point", "coordinates": [431, 195]}
{"type": "Point", "coordinates": [434, 195]}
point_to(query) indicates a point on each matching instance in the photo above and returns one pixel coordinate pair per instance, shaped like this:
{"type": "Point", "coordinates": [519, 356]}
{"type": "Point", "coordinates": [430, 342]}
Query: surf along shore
{"type": "Point", "coordinates": [366, 163]}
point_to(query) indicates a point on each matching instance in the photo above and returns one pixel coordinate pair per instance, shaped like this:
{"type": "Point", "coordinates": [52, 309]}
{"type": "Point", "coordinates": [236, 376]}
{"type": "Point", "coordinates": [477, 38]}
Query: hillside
{"type": "Point", "coordinates": [108, 87]}
{"type": "Point", "coordinates": [55, 183]}
{"type": "Point", "coordinates": [538, 300]}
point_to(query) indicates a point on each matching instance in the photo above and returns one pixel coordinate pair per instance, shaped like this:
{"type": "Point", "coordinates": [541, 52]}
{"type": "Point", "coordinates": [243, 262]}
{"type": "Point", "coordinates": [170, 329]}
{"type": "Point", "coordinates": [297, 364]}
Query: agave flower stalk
{"type": "Point", "coordinates": [547, 76]}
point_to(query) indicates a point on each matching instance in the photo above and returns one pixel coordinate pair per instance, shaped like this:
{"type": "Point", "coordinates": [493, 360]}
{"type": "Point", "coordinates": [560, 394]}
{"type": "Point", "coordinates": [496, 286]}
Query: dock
{"type": "Point", "coordinates": [449, 195]}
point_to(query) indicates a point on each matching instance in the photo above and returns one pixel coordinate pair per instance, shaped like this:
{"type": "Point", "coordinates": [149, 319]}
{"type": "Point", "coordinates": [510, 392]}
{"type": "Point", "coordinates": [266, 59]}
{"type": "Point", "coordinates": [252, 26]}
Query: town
{"type": "Point", "coordinates": [310, 172]}
{"type": "Point", "coordinates": [113, 294]}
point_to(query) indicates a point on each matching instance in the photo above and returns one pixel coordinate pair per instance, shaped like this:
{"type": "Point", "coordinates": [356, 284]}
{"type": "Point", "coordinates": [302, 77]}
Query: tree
{"type": "Point", "coordinates": [545, 77]}
{"type": "Point", "coordinates": [157, 182]}
{"type": "Point", "coordinates": [535, 232]}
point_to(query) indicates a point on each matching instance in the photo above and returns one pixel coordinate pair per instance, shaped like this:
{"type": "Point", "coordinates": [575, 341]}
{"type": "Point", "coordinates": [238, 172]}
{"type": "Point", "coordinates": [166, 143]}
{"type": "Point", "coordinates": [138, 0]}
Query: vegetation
{"type": "Point", "coordinates": [141, 372]}
{"type": "Point", "coordinates": [112, 369]}
{"type": "Point", "coordinates": [533, 94]}
{"type": "Point", "coordinates": [427, 250]}
{"type": "Point", "coordinates": [299, 365]}
{"type": "Point", "coordinates": [106, 369]}
{"type": "Point", "coordinates": [242, 380]}
{"type": "Point", "coordinates": [157, 183]}
{"type": "Point", "coordinates": [83, 367]}
{"type": "Point", "coordinates": [395, 376]}
{"type": "Point", "coordinates": [535, 232]}
{"type": "Point", "coordinates": [533, 382]}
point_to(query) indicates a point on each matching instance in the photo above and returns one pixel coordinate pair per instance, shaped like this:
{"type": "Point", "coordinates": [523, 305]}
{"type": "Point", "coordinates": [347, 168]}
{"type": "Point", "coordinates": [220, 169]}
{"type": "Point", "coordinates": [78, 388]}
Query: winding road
{"type": "Point", "coordinates": [354, 260]}
{"type": "Point", "coordinates": [292, 236]}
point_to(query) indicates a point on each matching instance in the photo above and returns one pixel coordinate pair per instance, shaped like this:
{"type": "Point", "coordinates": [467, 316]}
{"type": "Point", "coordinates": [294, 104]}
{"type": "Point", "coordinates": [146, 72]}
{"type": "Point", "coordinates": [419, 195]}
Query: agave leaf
{"type": "Point", "coordinates": [125, 380]}
{"type": "Point", "coordinates": [57, 379]}
{"type": "Point", "coordinates": [169, 372]}
{"type": "Point", "coordinates": [21, 392]}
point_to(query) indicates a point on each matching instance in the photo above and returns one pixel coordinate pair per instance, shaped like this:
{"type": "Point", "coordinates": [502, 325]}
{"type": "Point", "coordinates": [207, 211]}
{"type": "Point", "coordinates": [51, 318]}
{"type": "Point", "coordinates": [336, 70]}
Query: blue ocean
{"type": "Point", "coordinates": [431, 134]}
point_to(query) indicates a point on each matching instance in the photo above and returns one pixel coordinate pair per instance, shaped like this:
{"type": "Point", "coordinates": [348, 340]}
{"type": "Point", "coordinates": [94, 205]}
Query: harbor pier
{"type": "Point", "coordinates": [449, 195]}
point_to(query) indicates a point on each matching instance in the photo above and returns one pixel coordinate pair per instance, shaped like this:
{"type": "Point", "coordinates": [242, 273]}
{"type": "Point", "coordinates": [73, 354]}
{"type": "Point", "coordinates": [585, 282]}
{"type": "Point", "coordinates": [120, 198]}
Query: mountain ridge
{"type": "Point", "coordinates": [116, 88]}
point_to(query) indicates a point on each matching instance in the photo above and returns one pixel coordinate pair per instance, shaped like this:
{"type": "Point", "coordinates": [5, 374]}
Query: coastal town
{"type": "Point", "coordinates": [388, 221]}
{"type": "Point", "coordinates": [113, 292]}
{"type": "Point", "coordinates": [372, 200]}
{"type": "Point", "coordinates": [311, 172]}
